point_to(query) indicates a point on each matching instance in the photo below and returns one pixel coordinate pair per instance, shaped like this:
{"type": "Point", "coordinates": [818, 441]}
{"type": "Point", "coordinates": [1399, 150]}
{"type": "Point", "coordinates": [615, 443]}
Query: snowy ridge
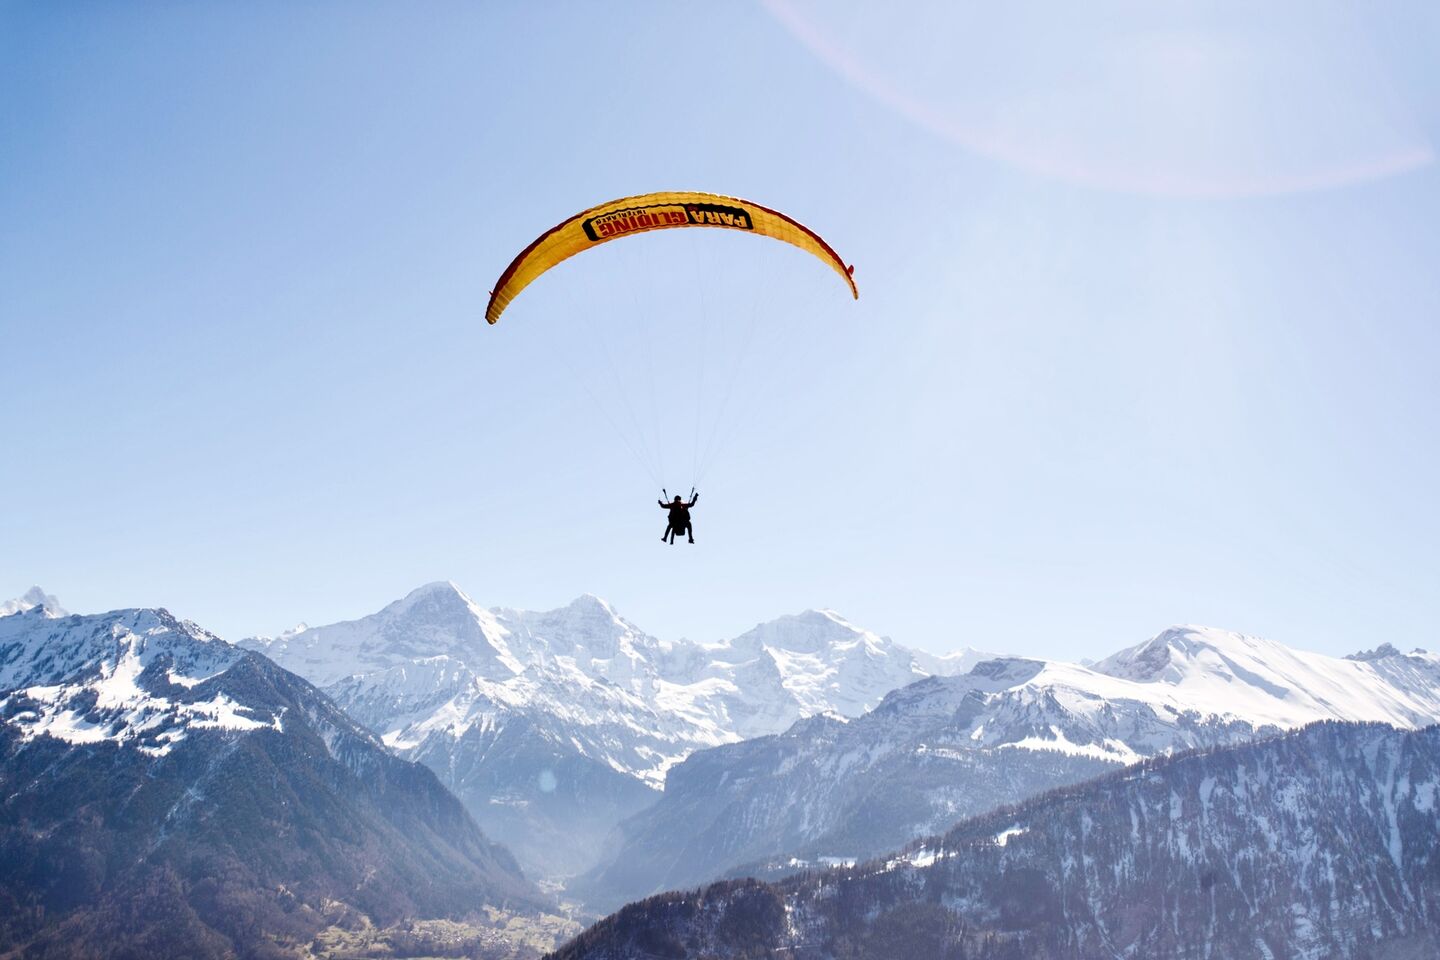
{"type": "Point", "coordinates": [947, 747]}
{"type": "Point", "coordinates": [129, 676]}
{"type": "Point", "coordinates": [1173, 691]}
{"type": "Point", "coordinates": [1234, 676]}
{"type": "Point", "coordinates": [554, 726]}
{"type": "Point", "coordinates": [1141, 700]}
{"type": "Point", "coordinates": [433, 621]}
{"type": "Point", "coordinates": [436, 664]}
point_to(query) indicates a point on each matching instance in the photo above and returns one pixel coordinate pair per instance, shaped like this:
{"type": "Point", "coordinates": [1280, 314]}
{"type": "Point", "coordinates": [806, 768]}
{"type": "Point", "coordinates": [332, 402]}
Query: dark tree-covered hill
{"type": "Point", "coordinates": [163, 794]}
{"type": "Point", "coordinates": [1324, 843]}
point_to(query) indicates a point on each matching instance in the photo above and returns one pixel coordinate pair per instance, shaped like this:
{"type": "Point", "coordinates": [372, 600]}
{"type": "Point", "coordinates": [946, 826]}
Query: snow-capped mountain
{"type": "Point", "coordinates": [553, 726]}
{"type": "Point", "coordinates": [168, 794]}
{"type": "Point", "coordinates": [1321, 843]}
{"type": "Point", "coordinates": [135, 677]}
{"type": "Point", "coordinates": [29, 600]}
{"type": "Point", "coordinates": [1270, 684]}
{"type": "Point", "coordinates": [948, 747]}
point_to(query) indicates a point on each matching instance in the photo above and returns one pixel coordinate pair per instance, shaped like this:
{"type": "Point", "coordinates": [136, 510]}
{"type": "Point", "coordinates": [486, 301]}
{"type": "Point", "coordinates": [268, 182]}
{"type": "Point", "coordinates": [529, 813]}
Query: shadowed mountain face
{"type": "Point", "coordinates": [828, 791]}
{"type": "Point", "coordinates": [167, 794]}
{"type": "Point", "coordinates": [1321, 843]}
{"type": "Point", "coordinates": [552, 727]}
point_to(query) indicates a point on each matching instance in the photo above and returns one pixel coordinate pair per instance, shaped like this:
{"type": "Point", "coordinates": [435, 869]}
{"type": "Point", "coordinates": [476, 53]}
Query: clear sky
{"type": "Point", "coordinates": [1147, 330]}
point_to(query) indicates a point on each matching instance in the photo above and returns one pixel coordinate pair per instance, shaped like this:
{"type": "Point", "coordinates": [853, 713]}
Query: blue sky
{"type": "Point", "coordinates": [1147, 330]}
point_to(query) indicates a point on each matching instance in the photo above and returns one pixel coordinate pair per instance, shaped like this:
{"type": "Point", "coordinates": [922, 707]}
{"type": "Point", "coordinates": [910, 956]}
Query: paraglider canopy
{"type": "Point", "coordinates": [654, 211]}
{"type": "Point", "coordinates": [673, 281]}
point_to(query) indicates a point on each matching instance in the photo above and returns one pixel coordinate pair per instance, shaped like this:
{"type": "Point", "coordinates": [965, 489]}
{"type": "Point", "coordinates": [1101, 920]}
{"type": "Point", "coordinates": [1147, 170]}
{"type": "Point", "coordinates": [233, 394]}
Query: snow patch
{"type": "Point", "coordinates": [1112, 750]}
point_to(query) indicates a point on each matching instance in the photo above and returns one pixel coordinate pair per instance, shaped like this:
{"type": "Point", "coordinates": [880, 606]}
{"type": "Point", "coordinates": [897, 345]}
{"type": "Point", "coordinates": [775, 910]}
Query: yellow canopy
{"type": "Point", "coordinates": [653, 211]}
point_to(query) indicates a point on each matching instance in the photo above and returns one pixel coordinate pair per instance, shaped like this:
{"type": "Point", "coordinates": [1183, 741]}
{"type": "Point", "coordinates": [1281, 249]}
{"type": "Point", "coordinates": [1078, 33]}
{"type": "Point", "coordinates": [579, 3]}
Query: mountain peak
{"type": "Point", "coordinates": [1000, 673]}
{"type": "Point", "coordinates": [130, 674]}
{"type": "Point", "coordinates": [442, 605]}
{"type": "Point", "coordinates": [1379, 653]}
{"type": "Point", "coordinates": [32, 599]}
{"type": "Point", "coordinates": [822, 613]}
{"type": "Point", "coordinates": [824, 616]}
{"type": "Point", "coordinates": [809, 631]}
{"type": "Point", "coordinates": [1174, 652]}
{"type": "Point", "coordinates": [1269, 683]}
{"type": "Point", "coordinates": [588, 603]}
{"type": "Point", "coordinates": [433, 620]}
{"type": "Point", "coordinates": [587, 628]}
{"type": "Point", "coordinates": [437, 590]}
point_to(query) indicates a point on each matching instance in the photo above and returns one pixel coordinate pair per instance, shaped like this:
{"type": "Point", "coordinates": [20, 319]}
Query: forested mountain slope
{"type": "Point", "coordinates": [1323, 843]}
{"type": "Point", "coordinates": [166, 794]}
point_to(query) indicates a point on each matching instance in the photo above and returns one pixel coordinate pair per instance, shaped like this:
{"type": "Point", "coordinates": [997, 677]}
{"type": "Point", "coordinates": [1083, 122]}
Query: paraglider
{"type": "Point", "coordinates": [644, 213]}
{"type": "Point", "coordinates": [679, 521]}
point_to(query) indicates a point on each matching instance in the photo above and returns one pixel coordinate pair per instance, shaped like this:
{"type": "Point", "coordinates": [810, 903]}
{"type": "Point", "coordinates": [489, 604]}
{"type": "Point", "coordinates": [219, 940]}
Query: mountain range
{"type": "Point", "coordinates": [804, 741]}
{"type": "Point", "coordinates": [832, 791]}
{"type": "Point", "coordinates": [554, 726]}
{"type": "Point", "coordinates": [169, 794]}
